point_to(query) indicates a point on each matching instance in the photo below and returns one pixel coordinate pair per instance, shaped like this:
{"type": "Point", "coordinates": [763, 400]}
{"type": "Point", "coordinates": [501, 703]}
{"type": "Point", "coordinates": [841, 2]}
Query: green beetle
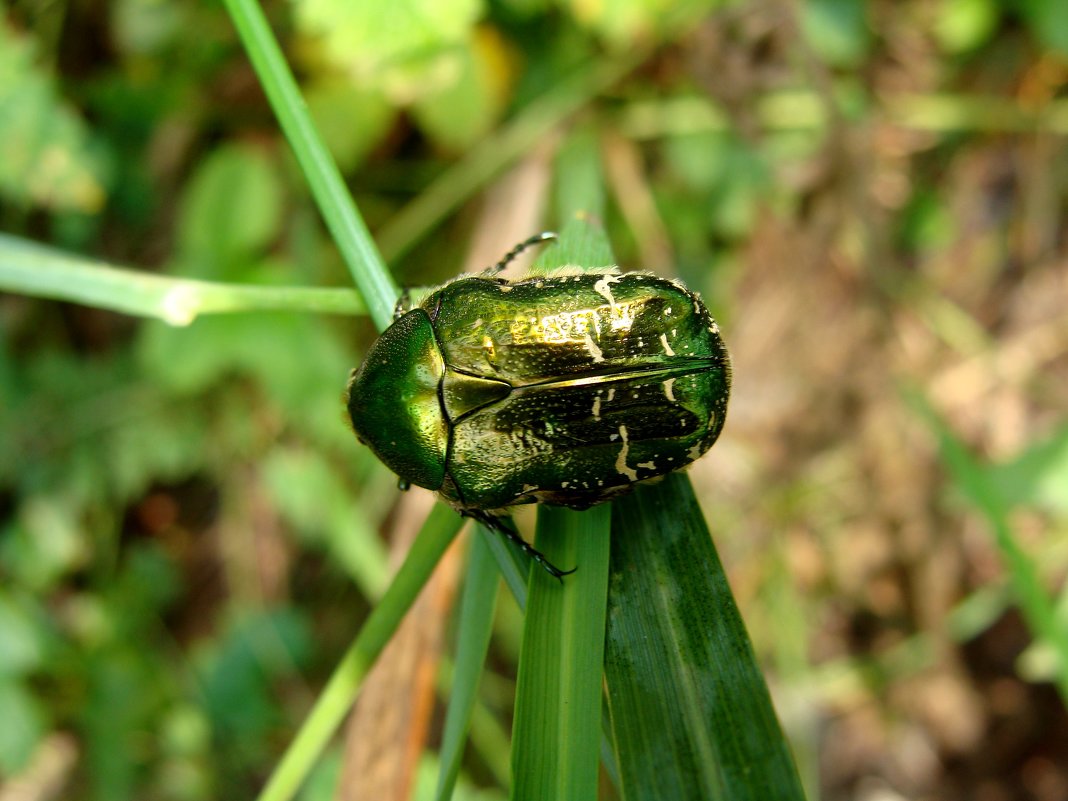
{"type": "Point", "coordinates": [565, 388]}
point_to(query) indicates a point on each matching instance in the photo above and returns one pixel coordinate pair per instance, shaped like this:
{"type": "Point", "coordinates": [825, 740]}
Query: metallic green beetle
{"type": "Point", "coordinates": [566, 388]}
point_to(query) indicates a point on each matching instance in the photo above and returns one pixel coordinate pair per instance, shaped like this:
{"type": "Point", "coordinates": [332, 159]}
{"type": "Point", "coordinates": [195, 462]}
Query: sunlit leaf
{"type": "Point", "coordinates": [403, 47]}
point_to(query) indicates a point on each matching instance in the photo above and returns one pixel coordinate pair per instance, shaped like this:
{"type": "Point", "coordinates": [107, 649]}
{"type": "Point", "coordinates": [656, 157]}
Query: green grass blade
{"type": "Point", "coordinates": [557, 732]}
{"type": "Point", "coordinates": [512, 562]}
{"type": "Point", "coordinates": [32, 269]}
{"type": "Point", "coordinates": [342, 218]}
{"type": "Point", "coordinates": [477, 608]}
{"type": "Point", "coordinates": [691, 715]}
{"type": "Point", "coordinates": [336, 698]}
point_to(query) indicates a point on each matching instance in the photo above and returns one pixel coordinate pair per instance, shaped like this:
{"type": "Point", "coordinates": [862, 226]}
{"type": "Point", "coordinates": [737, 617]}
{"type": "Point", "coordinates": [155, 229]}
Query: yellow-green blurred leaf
{"type": "Point", "coordinates": [462, 113]}
{"type": "Point", "coordinates": [966, 24]}
{"type": "Point", "coordinates": [403, 47]}
{"type": "Point", "coordinates": [624, 22]}
{"type": "Point", "coordinates": [48, 159]}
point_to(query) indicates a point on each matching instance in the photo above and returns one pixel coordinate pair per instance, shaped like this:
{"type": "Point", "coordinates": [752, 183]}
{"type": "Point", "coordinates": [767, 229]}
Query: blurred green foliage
{"type": "Point", "coordinates": [50, 158]}
{"type": "Point", "coordinates": [145, 470]}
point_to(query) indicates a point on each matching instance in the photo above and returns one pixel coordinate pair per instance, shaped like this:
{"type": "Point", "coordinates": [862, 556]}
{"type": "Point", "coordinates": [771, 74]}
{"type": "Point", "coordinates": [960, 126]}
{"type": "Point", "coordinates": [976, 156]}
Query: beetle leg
{"type": "Point", "coordinates": [544, 236]}
{"type": "Point", "coordinates": [503, 526]}
{"type": "Point", "coordinates": [404, 301]}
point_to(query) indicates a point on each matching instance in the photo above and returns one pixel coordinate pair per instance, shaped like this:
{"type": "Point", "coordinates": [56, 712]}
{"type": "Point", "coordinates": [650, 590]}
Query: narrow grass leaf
{"type": "Point", "coordinates": [477, 608]}
{"type": "Point", "coordinates": [513, 564]}
{"type": "Point", "coordinates": [557, 732]}
{"type": "Point", "coordinates": [690, 712]}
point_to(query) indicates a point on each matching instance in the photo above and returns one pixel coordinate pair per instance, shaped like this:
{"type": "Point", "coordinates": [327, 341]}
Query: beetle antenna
{"type": "Point", "coordinates": [503, 525]}
{"type": "Point", "coordinates": [544, 236]}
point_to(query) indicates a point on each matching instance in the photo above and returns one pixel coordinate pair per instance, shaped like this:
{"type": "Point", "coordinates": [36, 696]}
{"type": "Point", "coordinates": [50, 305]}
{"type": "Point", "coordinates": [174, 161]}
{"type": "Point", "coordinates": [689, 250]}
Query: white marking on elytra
{"type": "Point", "coordinates": [669, 389]}
{"type": "Point", "coordinates": [611, 394]}
{"type": "Point", "coordinates": [621, 460]}
{"type": "Point", "coordinates": [564, 484]}
{"type": "Point", "coordinates": [603, 288]}
{"type": "Point", "coordinates": [597, 407]}
{"type": "Point", "coordinates": [591, 346]}
{"type": "Point", "coordinates": [647, 465]}
{"type": "Point", "coordinates": [695, 452]}
{"type": "Point", "coordinates": [667, 347]}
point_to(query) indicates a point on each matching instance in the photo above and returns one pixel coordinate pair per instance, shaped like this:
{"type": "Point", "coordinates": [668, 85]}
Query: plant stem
{"type": "Point", "coordinates": [32, 269]}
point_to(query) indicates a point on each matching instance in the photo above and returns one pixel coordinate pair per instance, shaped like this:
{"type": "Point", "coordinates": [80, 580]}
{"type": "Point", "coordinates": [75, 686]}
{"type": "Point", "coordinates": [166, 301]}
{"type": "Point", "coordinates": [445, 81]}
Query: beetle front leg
{"type": "Point", "coordinates": [403, 304]}
{"type": "Point", "coordinates": [503, 526]}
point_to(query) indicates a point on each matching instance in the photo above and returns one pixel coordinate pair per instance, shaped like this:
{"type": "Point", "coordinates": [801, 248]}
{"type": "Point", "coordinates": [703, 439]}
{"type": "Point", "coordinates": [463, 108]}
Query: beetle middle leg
{"type": "Point", "coordinates": [544, 236]}
{"type": "Point", "coordinates": [504, 526]}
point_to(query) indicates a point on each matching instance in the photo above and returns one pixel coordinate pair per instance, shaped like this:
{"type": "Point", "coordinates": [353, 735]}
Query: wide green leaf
{"type": "Point", "coordinates": [691, 716]}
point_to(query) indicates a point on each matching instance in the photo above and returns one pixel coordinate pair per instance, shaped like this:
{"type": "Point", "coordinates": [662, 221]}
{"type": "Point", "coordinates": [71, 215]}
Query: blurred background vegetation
{"type": "Point", "coordinates": [871, 197]}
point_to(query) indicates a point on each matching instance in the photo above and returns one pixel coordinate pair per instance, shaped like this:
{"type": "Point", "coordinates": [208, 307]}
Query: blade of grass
{"type": "Point", "coordinates": [32, 269]}
{"type": "Point", "coordinates": [336, 698]}
{"type": "Point", "coordinates": [690, 712]}
{"type": "Point", "coordinates": [557, 732]}
{"type": "Point", "coordinates": [492, 741]}
{"type": "Point", "coordinates": [1038, 607]}
{"type": "Point", "coordinates": [477, 608]}
{"type": "Point", "coordinates": [374, 282]}
{"type": "Point", "coordinates": [579, 201]}
{"type": "Point", "coordinates": [512, 562]}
